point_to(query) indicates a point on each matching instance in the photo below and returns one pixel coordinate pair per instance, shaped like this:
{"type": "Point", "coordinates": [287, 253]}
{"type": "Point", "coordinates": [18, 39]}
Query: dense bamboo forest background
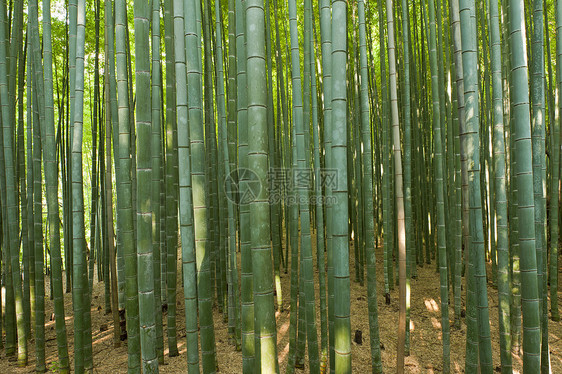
{"type": "Point", "coordinates": [262, 186]}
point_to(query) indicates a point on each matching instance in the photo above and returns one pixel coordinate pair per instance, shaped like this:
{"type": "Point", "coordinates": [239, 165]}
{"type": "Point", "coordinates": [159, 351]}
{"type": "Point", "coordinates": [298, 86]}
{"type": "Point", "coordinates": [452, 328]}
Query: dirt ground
{"type": "Point", "coordinates": [425, 355]}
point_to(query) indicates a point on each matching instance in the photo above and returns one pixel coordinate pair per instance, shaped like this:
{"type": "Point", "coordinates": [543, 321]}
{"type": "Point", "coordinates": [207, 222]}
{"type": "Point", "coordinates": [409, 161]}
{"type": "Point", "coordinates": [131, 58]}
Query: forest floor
{"type": "Point", "coordinates": [425, 353]}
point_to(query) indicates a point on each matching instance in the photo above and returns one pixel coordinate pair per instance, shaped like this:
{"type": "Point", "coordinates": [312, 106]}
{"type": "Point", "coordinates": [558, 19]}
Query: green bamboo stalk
{"type": "Point", "coordinates": [501, 196]}
{"type": "Point", "coordinates": [368, 197]}
{"type": "Point", "coordinates": [12, 233]}
{"type": "Point", "coordinates": [30, 190]}
{"type": "Point", "coordinates": [302, 191]}
{"type": "Point", "coordinates": [319, 212]}
{"type": "Point", "coordinates": [340, 244]}
{"type": "Point", "coordinates": [33, 80]}
{"type": "Point", "coordinates": [246, 280]}
{"type": "Point", "coordinates": [133, 130]}
{"type": "Point", "coordinates": [295, 359]}
{"type": "Point", "coordinates": [80, 285]}
{"type": "Point", "coordinates": [104, 217]}
{"type": "Point", "coordinates": [524, 180]}
{"type": "Point", "coordinates": [114, 107]}
{"type": "Point", "coordinates": [230, 244]}
{"type": "Point", "coordinates": [231, 138]}
{"type": "Point", "coordinates": [459, 108]}
{"type": "Point", "coordinates": [51, 179]}
{"type": "Point", "coordinates": [407, 167]}
{"type": "Point", "coordinates": [551, 80]}
{"type": "Point", "coordinates": [145, 256]}
{"type": "Point", "coordinates": [72, 30]}
{"type": "Point", "coordinates": [232, 99]}
{"type": "Point", "coordinates": [273, 163]}
{"type": "Point", "coordinates": [21, 176]}
{"type": "Point", "coordinates": [33, 121]}
{"type": "Point", "coordinates": [171, 189]}
{"type": "Point", "coordinates": [438, 146]}
{"type": "Point", "coordinates": [399, 191]}
{"type": "Point", "coordinates": [9, 300]}
{"type": "Point", "coordinates": [387, 227]}
{"type": "Point", "coordinates": [38, 325]}
{"type": "Point", "coordinates": [297, 333]}
{"type": "Point", "coordinates": [284, 111]}
{"type": "Point", "coordinates": [450, 131]}
{"type": "Point", "coordinates": [124, 192]}
{"type": "Point", "coordinates": [185, 195]}
{"type": "Point", "coordinates": [476, 250]}
{"type": "Point", "coordinates": [441, 66]}
{"type": "Point", "coordinates": [265, 331]}
{"type": "Point", "coordinates": [197, 147]}
{"type": "Point", "coordinates": [326, 42]}
{"type": "Point", "coordinates": [14, 322]}
{"type": "Point", "coordinates": [554, 200]}
{"type": "Point", "coordinates": [210, 155]}
{"type": "Point", "coordinates": [488, 177]}
{"type": "Point", "coordinates": [111, 123]}
{"type": "Point", "coordinates": [95, 124]}
{"type": "Point", "coordinates": [354, 161]}
{"type": "Point", "coordinates": [301, 323]}
{"type": "Point", "coordinates": [515, 252]}
{"type": "Point", "coordinates": [538, 130]}
{"type": "Point", "coordinates": [156, 163]}
{"type": "Point", "coordinates": [459, 71]}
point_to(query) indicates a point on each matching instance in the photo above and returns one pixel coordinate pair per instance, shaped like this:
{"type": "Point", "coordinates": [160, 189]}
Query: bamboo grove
{"type": "Point", "coordinates": [208, 149]}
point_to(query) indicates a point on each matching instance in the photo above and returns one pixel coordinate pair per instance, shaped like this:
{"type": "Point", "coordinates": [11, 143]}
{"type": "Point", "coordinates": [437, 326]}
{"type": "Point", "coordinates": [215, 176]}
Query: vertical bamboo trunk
{"type": "Point", "coordinates": [212, 169]}
{"type": "Point", "coordinates": [387, 221]}
{"type": "Point", "coordinates": [410, 246]}
{"type": "Point", "coordinates": [461, 168]}
{"type": "Point", "coordinates": [554, 200]}
{"type": "Point", "coordinates": [398, 185]}
{"type": "Point", "coordinates": [232, 158]}
{"type": "Point", "coordinates": [185, 196]}
{"type": "Point", "coordinates": [95, 124]}
{"type": "Point", "coordinates": [274, 163]}
{"type": "Point", "coordinates": [246, 279]}
{"type": "Point", "coordinates": [33, 149]}
{"type": "Point", "coordinates": [110, 116]}
{"type": "Point", "coordinates": [79, 288]}
{"type": "Point", "coordinates": [439, 176]}
{"type": "Point", "coordinates": [265, 331]}
{"type": "Point", "coordinates": [192, 32]}
{"type": "Point", "coordinates": [30, 190]}
{"type": "Point", "coordinates": [156, 163]}
{"type": "Point", "coordinates": [302, 191]}
{"type": "Point", "coordinates": [72, 27]}
{"type": "Point", "coordinates": [10, 192]}
{"type": "Point", "coordinates": [524, 180]}
{"type": "Point", "coordinates": [319, 222]}
{"type": "Point", "coordinates": [145, 261]}
{"type": "Point", "coordinates": [326, 41]}
{"type": "Point", "coordinates": [51, 178]}
{"type": "Point", "coordinates": [476, 251]}
{"type": "Point", "coordinates": [37, 230]}
{"type": "Point", "coordinates": [340, 243]}
{"type": "Point", "coordinates": [231, 229]}
{"type": "Point", "coordinates": [171, 189]}
{"type": "Point", "coordinates": [21, 176]}
{"type": "Point", "coordinates": [368, 196]}
{"type": "Point", "coordinates": [124, 192]}
{"type": "Point", "coordinates": [538, 130]}
{"type": "Point", "coordinates": [504, 294]}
